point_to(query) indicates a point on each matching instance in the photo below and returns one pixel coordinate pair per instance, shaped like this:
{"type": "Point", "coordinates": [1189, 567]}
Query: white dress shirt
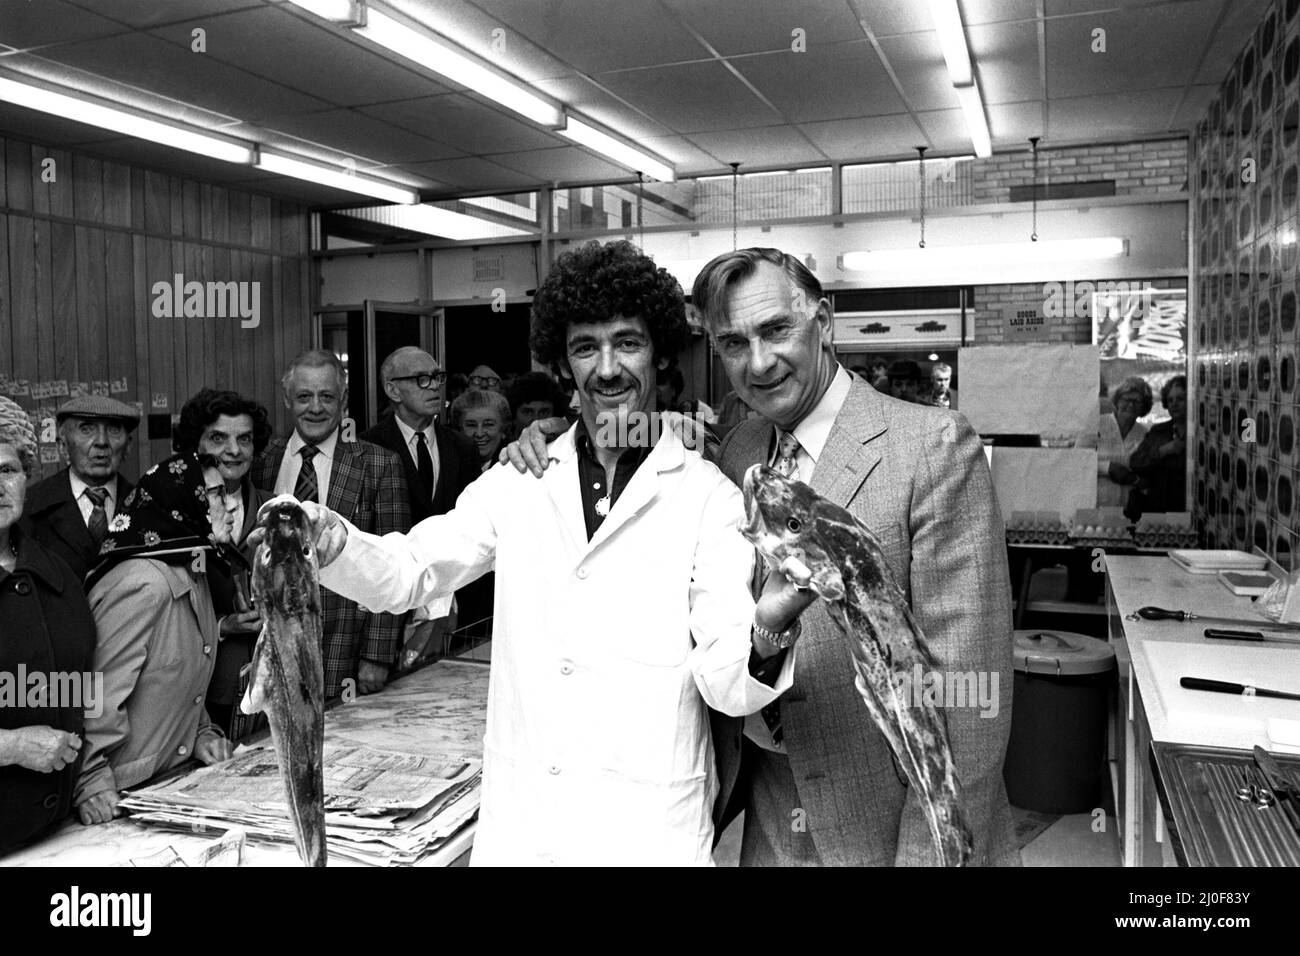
{"type": "Point", "coordinates": [811, 433]}
{"type": "Point", "coordinates": [85, 504]}
{"type": "Point", "coordinates": [605, 652]}
{"type": "Point", "coordinates": [413, 445]}
{"type": "Point", "coordinates": [287, 478]}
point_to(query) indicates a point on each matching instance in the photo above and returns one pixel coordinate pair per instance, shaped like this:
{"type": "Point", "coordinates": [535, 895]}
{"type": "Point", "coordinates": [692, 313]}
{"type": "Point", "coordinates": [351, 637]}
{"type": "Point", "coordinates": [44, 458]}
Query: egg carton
{"type": "Point", "coordinates": [1036, 527]}
{"type": "Point", "coordinates": [1173, 530]}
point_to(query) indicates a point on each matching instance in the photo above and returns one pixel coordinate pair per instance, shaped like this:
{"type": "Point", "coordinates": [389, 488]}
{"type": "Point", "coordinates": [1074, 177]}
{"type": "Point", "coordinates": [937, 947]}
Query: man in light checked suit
{"type": "Point", "coordinates": [359, 480]}
{"type": "Point", "coordinates": [816, 779]}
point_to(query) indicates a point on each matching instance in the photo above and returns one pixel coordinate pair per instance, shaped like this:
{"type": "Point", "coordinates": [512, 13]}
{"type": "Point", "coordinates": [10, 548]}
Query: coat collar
{"type": "Point", "coordinates": [38, 562]}
{"type": "Point", "coordinates": [849, 457]}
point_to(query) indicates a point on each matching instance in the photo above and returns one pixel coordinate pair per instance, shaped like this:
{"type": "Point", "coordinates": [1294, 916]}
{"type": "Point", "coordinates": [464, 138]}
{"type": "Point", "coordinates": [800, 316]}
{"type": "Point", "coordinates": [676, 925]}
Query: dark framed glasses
{"type": "Point", "coordinates": [484, 381]}
{"type": "Point", "coordinates": [423, 380]}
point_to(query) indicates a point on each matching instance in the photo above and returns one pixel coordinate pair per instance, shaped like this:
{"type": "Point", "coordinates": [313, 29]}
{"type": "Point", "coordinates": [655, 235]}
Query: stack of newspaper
{"type": "Point", "coordinates": [381, 808]}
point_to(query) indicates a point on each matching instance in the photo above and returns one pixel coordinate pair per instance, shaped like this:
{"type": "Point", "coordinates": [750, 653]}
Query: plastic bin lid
{"type": "Point", "coordinates": [1062, 653]}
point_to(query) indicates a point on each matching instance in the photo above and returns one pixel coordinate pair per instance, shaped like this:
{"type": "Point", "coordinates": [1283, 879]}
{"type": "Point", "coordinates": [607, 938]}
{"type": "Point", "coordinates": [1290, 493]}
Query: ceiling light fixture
{"type": "Point", "coordinates": [952, 39]}
{"type": "Point", "coordinates": [435, 221]}
{"type": "Point", "coordinates": [584, 134]}
{"type": "Point", "coordinates": [344, 12]}
{"type": "Point", "coordinates": [124, 122]}
{"type": "Point", "coordinates": [978, 127]}
{"type": "Point", "coordinates": [445, 58]}
{"type": "Point", "coordinates": [934, 257]}
{"type": "Point", "coordinates": [334, 177]}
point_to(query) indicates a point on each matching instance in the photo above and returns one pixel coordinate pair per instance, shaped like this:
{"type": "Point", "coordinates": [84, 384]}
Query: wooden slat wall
{"type": "Point", "coordinates": [78, 260]}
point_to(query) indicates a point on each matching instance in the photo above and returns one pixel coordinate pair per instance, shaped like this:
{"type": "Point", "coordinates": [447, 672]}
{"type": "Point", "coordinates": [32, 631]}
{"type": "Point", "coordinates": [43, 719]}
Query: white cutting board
{"type": "Point", "coordinates": [1230, 719]}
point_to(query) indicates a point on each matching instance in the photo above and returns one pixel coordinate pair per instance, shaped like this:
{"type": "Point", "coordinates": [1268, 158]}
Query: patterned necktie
{"type": "Point", "coordinates": [786, 464]}
{"type": "Point", "coordinates": [98, 523]}
{"type": "Point", "coordinates": [306, 488]}
{"type": "Point", "coordinates": [424, 463]}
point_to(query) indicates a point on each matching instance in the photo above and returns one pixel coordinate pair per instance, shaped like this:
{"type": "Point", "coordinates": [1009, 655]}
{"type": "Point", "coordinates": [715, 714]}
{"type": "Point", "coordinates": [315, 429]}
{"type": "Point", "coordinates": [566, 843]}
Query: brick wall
{"type": "Point", "coordinates": [991, 300]}
{"type": "Point", "coordinates": [1138, 169]}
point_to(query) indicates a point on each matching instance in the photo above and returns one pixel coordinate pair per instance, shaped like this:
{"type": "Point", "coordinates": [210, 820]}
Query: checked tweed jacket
{"type": "Point", "coordinates": [366, 487]}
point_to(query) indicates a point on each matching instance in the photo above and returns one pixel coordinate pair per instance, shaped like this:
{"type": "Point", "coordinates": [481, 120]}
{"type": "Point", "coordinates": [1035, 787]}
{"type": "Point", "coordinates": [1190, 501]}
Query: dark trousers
{"type": "Point", "coordinates": [776, 826]}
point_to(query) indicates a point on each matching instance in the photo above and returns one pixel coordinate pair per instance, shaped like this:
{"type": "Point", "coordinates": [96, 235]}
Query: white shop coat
{"type": "Point", "coordinates": [604, 653]}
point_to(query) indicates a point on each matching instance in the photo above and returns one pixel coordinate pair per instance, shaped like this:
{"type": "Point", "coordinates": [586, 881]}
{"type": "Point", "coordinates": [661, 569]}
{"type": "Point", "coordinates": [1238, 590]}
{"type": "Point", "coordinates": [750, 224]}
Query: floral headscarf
{"type": "Point", "coordinates": [165, 517]}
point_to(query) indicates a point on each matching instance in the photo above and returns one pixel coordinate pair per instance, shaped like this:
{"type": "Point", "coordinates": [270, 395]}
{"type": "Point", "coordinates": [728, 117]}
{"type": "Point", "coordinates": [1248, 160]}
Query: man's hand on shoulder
{"type": "Point", "coordinates": [529, 451]}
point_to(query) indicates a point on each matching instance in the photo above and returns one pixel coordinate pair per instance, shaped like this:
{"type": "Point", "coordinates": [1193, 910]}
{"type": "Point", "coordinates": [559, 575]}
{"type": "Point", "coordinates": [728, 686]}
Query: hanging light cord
{"type": "Point", "coordinates": [920, 170]}
{"type": "Point", "coordinates": [735, 203]}
{"type": "Point", "coordinates": [1033, 236]}
{"type": "Point", "coordinates": [640, 193]}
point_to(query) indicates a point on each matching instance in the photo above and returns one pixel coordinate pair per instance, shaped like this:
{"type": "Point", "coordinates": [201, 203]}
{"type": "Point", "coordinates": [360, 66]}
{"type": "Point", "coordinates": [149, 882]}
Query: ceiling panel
{"type": "Point", "coordinates": [1006, 57]}
{"type": "Point", "coordinates": [24, 24]}
{"type": "Point", "coordinates": [461, 120]}
{"type": "Point", "coordinates": [579, 32]}
{"type": "Point", "coordinates": [349, 131]}
{"type": "Point", "coordinates": [997, 11]}
{"type": "Point", "coordinates": [143, 14]}
{"type": "Point", "coordinates": [565, 163]}
{"type": "Point", "coordinates": [889, 17]}
{"type": "Point", "coordinates": [1145, 47]}
{"type": "Point", "coordinates": [847, 140]}
{"type": "Point", "coordinates": [1012, 123]}
{"type": "Point", "coordinates": [918, 63]}
{"type": "Point", "coordinates": [691, 98]}
{"type": "Point", "coordinates": [1112, 117]}
{"type": "Point", "coordinates": [946, 130]}
{"type": "Point", "coordinates": [473, 174]}
{"type": "Point", "coordinates": [1238, 25]}
{"type": "Point", "coordinates": [751, 26]}
{"type": "Point", "coordinates": [684, 154]}
{"type": "Point", "coordinates": [1195, 105]}
{"type": "Point", "coordinates": [833, 82]}
{"type": "Point", "coordinates": [324, 64]}
{"type": "Point", "coordinates": [772, 146]}
{"type": "Point", "coordinates": [148, 62]}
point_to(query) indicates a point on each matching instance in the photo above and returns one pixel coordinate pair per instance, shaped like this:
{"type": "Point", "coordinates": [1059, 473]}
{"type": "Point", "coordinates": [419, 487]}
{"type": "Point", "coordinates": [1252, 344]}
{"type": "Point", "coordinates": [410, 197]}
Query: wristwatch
{"type": "Point", "coordinates": [780, 639]}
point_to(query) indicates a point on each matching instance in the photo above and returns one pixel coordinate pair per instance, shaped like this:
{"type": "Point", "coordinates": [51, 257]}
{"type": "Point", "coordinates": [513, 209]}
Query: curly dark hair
{"type": "Point", "coordinates": [535, 387]}
{"type": "Point", "coordinates": [206, 406]}
{"type": "Point", "coordinates": [596, 283]}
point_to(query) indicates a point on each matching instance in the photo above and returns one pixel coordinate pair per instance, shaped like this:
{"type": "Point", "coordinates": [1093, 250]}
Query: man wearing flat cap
{"type": "Point", "coordinates": [69, 512]}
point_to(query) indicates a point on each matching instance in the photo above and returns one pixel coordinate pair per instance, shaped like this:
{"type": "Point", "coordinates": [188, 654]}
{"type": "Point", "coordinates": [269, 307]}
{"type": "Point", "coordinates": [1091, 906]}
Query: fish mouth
{"type": "Point", "coordinates": [753, 526]}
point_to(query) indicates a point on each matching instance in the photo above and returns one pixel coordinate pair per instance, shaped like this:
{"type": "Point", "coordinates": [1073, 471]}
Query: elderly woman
{"type": "Point", "coordinates": [1161, 460]}
{"type": "Point", "coordinates": [1120, 436]}
{"type": "Point", "coordinates": [157, 631]}
{"type": "Point", "coordinates": [47, 630]}
{"type": "Point", "coordinates": [233, 430]}
{"type": "Point", "coordinates": [485, 417]}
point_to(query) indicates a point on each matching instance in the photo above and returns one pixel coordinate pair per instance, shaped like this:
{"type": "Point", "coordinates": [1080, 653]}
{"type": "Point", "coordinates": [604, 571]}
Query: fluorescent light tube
{"type": "Point", "coordinates": [620, 152]}
{"type": "Point", "coordinates": [952, 39]}
{"type": "Point", "coordinates": [988, 253]}
{"type": "Point", "coordinates": [445, 58]}
{"type": "Point", "coordinates": [335, 177]}
{"type": "Point", "coordinates": [435, 221]}
{"type": "Point", "coordinates": [976, 124]}
{"type": "Point", "coordinates": [337, 11]}
{"type": "Point", "coordinates": [123, 122]}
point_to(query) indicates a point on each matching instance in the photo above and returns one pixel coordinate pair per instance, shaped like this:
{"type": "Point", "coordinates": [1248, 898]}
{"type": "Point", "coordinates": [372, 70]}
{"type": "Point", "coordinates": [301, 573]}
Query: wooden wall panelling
{"type": "Point", "coordinates": [119, 318]}
{"type": "Point", "coordinates": [212, 376]}
{"type": "Point", "coordinates": [197, 362]}
{"type": "Point", "coordinates": [6, 322]}
{"type": "Point", "coordinates": [18, 175]}
{"type": "Point", "coordinates": [178, 328]}
{"type": "Point", "coordinates": [137, 200]}
{"type": "Point", "coordinates": [191, 204]}
{"type": "Point", "coordinates": [21, 293]}
{"type": "Point", "coordinates": [224, 358]}
{"type": "Point", "coordinates": [91, 316]}
{"type": "Point", "coordinates": [157, 204]}
{"type": "Point", "coordinates": [44, 264]}
{"type": "Point", "coordinates": [161, 333]}
{"type": "Point", "coordinates": [262, 339]}
{"type": "Point", "coordinates": [41, 190]}
{"type": "Point", "coordinates": [62, 190]}
{"type": "Point", "coordinates": [261, 223]}
{"type": "Point", "coordinates": [87, 189]}
{"type": "Point", "coordinates": [142, 383]}
{"type": "Point", "coordinates": [241, 226]}
{"type": "Point", "coordinates": [4, 191]}
{"type": "Point", "coordinates": [117, 194]}
{"type": "Point", "coordinates": [176, 205]}
{"type": "Point", "coordinates": [64, 343]}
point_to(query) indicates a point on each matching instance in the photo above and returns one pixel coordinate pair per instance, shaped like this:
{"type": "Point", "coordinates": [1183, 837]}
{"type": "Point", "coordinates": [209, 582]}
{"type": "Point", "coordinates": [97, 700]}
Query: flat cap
{"type": "Point", "coordinates": [98, 406]}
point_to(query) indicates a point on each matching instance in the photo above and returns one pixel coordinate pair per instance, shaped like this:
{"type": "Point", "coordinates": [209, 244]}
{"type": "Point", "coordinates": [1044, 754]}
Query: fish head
{"type": "Point", "coordinates": [288, 535]}
{"type": "Point", "coordinates": [784, 519]}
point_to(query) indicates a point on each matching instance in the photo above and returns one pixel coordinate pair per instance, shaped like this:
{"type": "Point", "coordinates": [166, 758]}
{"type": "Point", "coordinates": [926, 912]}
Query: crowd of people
{"type": "Point", "coordinates": [628, 605]}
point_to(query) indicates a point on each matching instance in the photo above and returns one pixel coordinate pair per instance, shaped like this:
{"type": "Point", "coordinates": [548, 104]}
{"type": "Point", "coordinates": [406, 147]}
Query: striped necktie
{"type": "Point", "coordinates": [98, 523]}
{"type": "Point", "coordinates": [787, 451]}
{"type": "Point", "coordinates": [306, 488]}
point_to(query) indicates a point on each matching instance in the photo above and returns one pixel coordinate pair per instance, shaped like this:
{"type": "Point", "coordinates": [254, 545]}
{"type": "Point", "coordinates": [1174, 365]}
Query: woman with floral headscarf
{"type": "Point", "coordinates": [157, 631]}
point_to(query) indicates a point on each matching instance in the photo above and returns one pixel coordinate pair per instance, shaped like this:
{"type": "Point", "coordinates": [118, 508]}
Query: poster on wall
{"type": "Point", "coordinates": [1140, 330]}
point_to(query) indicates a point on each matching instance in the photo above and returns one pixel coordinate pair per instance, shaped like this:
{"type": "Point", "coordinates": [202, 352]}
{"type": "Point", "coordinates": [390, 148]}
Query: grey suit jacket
{"type": "Point", "coordinates": [917, 477]}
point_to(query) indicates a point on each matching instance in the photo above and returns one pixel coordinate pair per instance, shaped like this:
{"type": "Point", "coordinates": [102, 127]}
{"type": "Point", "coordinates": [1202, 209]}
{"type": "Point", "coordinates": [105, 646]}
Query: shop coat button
{"type": "Point", "coordinates": [554, 771]}
{"type": "Point", "coordinates": [582, 574]}
{"type": "Point", "coordinates": [199, 699]}
{"type": "Point", "coordinates": [23, 588]}
{"type": "Point", "coordinates": [566, 668]}
{"type": "Point", "coordinates": [182, 750]}
{"type": "Point", "coordinates": [207, 648]}
{"type": "Point", "coordinates": [50, 802]}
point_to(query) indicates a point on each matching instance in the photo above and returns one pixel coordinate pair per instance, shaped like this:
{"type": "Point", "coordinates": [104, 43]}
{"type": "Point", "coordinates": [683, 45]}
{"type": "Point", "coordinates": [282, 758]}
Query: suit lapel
{"type": "Point", "coordinates": [267, 468]}
{"type": "Point", "coordinates": [66, 519]}
{"type": "Point", "coordinates": [345, 478]}
{"type": "Point", "coordinates": [561, 482]}
{"type": "Point", "coordinates": [849, 457]}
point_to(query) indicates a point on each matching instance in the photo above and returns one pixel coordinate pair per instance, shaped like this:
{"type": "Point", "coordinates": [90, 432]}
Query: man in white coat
{"type": "Point", "coordinates": [623, 601]}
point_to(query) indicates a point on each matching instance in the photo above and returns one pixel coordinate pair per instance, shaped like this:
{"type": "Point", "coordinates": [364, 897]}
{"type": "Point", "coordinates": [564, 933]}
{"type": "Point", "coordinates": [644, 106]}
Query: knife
{"type": "Point", "coordinates": [1226, 634]}
{"type": "Point", "coordinates": [1227, 687]}
{"type": "Point", "coordinates": [1279, 784]}
{"type": "Point", "coordinates": [1164, 614]}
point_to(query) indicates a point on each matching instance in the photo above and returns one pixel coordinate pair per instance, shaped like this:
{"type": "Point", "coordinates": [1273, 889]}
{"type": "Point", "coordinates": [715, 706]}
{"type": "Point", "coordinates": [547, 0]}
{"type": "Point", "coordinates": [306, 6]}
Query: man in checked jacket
{"type": "Point", "coordinates": [355, 478]}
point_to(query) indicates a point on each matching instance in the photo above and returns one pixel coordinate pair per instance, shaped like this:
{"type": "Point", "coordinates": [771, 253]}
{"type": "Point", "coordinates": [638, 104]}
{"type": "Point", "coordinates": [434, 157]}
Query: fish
{"type": "Point", "coordinates": [287, 681]}
{"type": "Point", "coordinates": [786, 518]}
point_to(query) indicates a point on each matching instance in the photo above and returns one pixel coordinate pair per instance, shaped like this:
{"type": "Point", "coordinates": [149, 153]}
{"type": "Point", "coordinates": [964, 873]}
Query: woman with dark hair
{"type": "Point", "coordinates": [233, 430]}
{"type": "Point", "coordinates": [533, 396]}
{"type": "Point", "coordinates": [157, 631]}
{"type": "Point", "coordinates": [47, 629]}
{"type": "Point", "coordinates": [1161, 460]}
{"type": "Point", "coordinates": [1121, 434]}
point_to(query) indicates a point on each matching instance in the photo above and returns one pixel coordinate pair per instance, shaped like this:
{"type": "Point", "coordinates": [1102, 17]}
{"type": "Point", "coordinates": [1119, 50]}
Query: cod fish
{"type": "Point", "coordinates": [849, 571]}
{"type": "Point", "coordinates": [287, 680]}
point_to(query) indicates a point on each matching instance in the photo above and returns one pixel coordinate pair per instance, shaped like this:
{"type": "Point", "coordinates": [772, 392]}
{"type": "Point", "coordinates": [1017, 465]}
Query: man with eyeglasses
{"type": "Point", "coordinates": [439, 464]}
{"type": "Point", "coordinates": [69, 512]}
{"type": "Point", "coordinates": [484, 377]}
{"type": "Point", "coordinates": [319, 462]}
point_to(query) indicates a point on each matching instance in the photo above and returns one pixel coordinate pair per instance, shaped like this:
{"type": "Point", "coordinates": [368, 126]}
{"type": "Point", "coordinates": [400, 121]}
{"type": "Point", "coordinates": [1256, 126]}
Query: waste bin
{"type": "Point", "coordinates": [1056, 760]}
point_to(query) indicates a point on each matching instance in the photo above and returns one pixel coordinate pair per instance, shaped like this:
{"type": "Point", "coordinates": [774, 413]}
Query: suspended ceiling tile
{"type": "Point", "coordinates": [832, 82]}
{"type": "Point", "coordinates": [1145, 48]}
{"type": "Point", "coordinates": [1006, 61]}
{"type": "Point", "coordinates": [1195, 106]}
{"type": "Point", "coordinates": [591, 36]}
{"type": "Point", "coordinates": [1113, 117]}
{"type": "Point", "coordinates": [562, 164]}
{"type": "Point", "coordinates": [771, 146]}
{"type": "Point", "coordinates": [692, 97]}
{"type": "Point", "coordinates": [996, 11]}
{"type": "Point", "coordinates": [946, 130]}
{"type": "Point", "coordinates": [473, 174]}
{"type": "Point", "coordinates": [460, 120]}
{"type": "Point", "coordinates": [1011, 123]}
{"type": "Point", "coordinates": [684, 154]}
{"type": "Point", "coordinates": [1240, 20]}
{"type": "Point", "coordinates": [324, 64]}
{"type": "Point", "coordinates": [153, 64]}
{"type": "Point", "coordinates": [890, 18]}
{"type": "Point", "coordinates": [352, 132]}
{"type": "Point", "coordinates": [21, 123]}
{"type": "Point", "coordinates": [587, 96]}
{"type": "Point", "coordinates": [859, 139]}
{"type": "Point", "coordinates": [917, 61]}
{"type": "Point", "coordinates": [24, 24]}
{"type": "Point", "coordinates": [752, 26]}
{"type": "Point", "coordinates": [142, 14]}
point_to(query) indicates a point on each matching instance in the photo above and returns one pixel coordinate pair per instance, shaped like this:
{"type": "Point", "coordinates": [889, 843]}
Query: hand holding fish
{"type": "Point", "coordinates": [241, 622]}
{"type": "Point", "coordinates": [325, 527]}
{"type": "Point", "coordinates": [785, 595]}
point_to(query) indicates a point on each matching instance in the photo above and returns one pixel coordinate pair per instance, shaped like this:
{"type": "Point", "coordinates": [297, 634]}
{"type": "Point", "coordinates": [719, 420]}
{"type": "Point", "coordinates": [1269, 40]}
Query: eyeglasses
{"type": "Point", "coordinates": [484, 381]}
{"type": "Point", "coordinates": [422, 380]}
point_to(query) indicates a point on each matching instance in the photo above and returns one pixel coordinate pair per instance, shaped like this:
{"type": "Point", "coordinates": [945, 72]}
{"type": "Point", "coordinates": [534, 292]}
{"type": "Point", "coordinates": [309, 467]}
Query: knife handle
{"type": "Point", "coordinates": [1231, 635]}
{"type": "Point", "coordinates": [1204, 683]}
{"type": "Point", "coordinates": [1162, 614]}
